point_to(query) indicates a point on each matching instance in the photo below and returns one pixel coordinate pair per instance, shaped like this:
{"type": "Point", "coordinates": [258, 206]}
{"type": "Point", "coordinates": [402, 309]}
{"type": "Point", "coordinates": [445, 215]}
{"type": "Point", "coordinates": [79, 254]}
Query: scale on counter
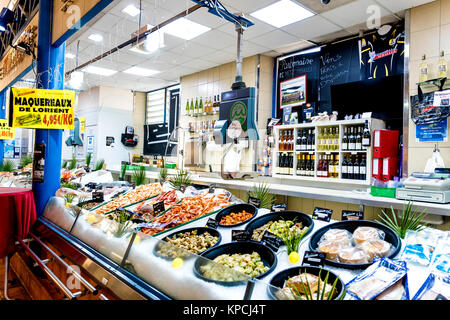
{"type": "Point", "coordinates": [426, 187]}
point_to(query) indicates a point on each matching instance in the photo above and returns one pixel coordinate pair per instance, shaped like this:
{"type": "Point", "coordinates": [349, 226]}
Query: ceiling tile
{"type": "Point", "coordinates": [399, 5]}
{"type": "Point", "coordinates": [312, 27]}
{"type": "Point", "coordinates": [318, 7]}
{"type": "Point", "coordinates": [247, 6]}
{"type": "Point", "coordinates": [106, 22]}
{"type": "Point", "coordinates": [256, 30]}
{"type": "Point", "coordinates": [216, 39]}
{"type": "Point", "coordinates": [302, 45]}
{"type": "Point", "coordinates": [352, 13]}
{"type": "Point", "coordinates": [193, 50]}
{"type": "Point", "coordinates": [221, 57]}
{"type": "Point", "coordinates": [164, 56]}
{"type": "Point", "coordinates": [207, 19]}
{"type": "Point", "coordinates": [275, 39]}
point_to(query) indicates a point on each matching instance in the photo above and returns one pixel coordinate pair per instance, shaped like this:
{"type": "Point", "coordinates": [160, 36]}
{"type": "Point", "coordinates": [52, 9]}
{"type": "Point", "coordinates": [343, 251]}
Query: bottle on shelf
{"type": "Point", "coordinates": [312, 165]}
{"type": "Point", "coordinates": [304, 141]}
{"type": "Point", "coordinates": [298, 142]}
{"type": "Point", "coordinates": [363, 168]}
{"type": "Point", "coordinates": [336, 138]}
{"type": "Point", "coordinates": [291, 140]}
{"type": "Point", "coordinates": [442, 66]}
{"type": "Point", "coordinates": [330, 166]}
{"type": "Point", "coordinates": [218, 104]}
{"type": "Point", "coordinates": [280, 163]}
{"type": "Point", "coordinates": [191, 108]}
{"type": "Point", "coordinates": [350, 168]}
{"type": "Point", "coordinates": [201, 109]}
{"type": "Point", "coordinates": [299, 165]}
{"type": "Point", "coordinates": [196, 113]}
{"type": "Point", "coordinates": [345, 140]}
{"type": "Point", "coordinates": [313, 139]}
{"type": "Point", "coordinates": [187, 107]}
{"type": "Point", "coordinates": [344, 168]}
{"type": "Point", "coordinates": [336, 166]}
{"type": "Point", "coordinates": [291, 163]}
{"type": "Point", "coordinates": [423, 72]}
{"type": "Point", "coordinates": [306, 165]}
{"type": "Point", "coordinates": [319, 166]}
{"type": "Point", "coordinates": [309, 141]}
{"type": "Point", "coordinates": [281, 141]}
{"type": "Point", "coordinates": [366, 136]}
{"type": "Point", "coordinates": [351, 140]}
{"type": "Point", "coordinates": [358, 140]}
{"type": "Point", "coordinates": [356, 168]}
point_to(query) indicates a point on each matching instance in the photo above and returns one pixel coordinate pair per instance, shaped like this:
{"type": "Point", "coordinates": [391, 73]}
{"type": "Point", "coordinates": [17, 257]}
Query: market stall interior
{"type": "Point", "coordinates": [273, 149]}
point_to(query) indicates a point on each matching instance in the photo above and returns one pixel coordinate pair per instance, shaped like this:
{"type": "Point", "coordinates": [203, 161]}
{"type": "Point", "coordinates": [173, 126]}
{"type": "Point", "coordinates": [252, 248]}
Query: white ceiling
{"type": "Point", "coordinates": [217, 46]}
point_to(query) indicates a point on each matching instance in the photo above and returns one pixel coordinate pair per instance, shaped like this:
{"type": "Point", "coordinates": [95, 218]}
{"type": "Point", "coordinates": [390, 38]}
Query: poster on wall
{"type": "Point", "coordinates": [109, 141]}
{"type": "Point", "coordinates": [90, 144]}
{"type": "Point", "coordinates": [9, 149]}
{"type": "Point", "coordinates": [435, 132]}
{"type": "Point", "coordinates": [293, 92]}
{"type": "Point", "coordinates": [6, 132]}
{"type": "Point", "coordinates": [381, 53]}
{"type": "Point", "coordinates": [42, 108]}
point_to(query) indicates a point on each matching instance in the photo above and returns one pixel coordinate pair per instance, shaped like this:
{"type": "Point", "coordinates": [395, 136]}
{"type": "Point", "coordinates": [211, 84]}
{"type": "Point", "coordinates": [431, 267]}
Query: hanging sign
{"type": "Point", "coordinates": [82, 124]}
{"type": "Point", "coordinates": [42, 108]}
{"type": "Point", "coordinates": [6, 132]}
{"type": "Point", "coordinates": [39, 163]}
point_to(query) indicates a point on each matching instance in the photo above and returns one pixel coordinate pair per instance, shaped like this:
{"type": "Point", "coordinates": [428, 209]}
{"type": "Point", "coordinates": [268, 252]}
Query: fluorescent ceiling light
{"type": "Point", "coordinates": [99, 71]}
{"type": "Point", "coordinates": [141, 71]}
{"type": "Point", "coordinates": [282, 13]}
{"type": "Point", "coordinates": [70, 55]}
{"type": "Point", "coordinates": [139, 49]}
{"type": "Point", "coordinates": [185, 29]}
{"type": "Point", "coordinates": [96, 37]}
{"type": "Point", "coordinates": [131, 10]}
{"type": "Point", "coordinates": [150, 44]}
{"type": "Point", "coordinates": [76, 79]}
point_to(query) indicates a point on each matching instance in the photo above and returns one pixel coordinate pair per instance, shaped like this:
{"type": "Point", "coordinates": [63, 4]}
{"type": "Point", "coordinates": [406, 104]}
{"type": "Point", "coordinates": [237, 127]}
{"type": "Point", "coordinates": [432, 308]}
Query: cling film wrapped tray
{"type": "Point", "coordinates": [377, 278]}
{"type": "Point", "coordinates": [435, 287]}
{"type": "Point", "coordinates": [420, 246]}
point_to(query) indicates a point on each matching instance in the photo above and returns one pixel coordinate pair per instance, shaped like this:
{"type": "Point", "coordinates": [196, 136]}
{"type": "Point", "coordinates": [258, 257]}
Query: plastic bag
{"type": "Point", "coordinates": [420, 246]}
{"type": "Point", "coordinates": [376, 248]}
{"type": "Point", "coordinates": [435, 287]}
{"type": "Point", "coordinates": [376, 279]}
{"type": "Point", "coordinates": [441, 261]}
{"type": "Point", "coordinates": [232, 160]}
{"type": "Point", "coordinates": [362, 234]}
{"type": "Point", "coordinates": [436, 161]}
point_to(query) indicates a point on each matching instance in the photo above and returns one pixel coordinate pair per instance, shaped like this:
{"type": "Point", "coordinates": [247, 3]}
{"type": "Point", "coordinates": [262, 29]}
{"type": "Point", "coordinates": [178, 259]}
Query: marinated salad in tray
{"type": "Point", "coordinates": [190, 241]}
{"type": "Point", "coordinates": [244, 264]}
{"type": "Point", "coordinates": [278, 229]}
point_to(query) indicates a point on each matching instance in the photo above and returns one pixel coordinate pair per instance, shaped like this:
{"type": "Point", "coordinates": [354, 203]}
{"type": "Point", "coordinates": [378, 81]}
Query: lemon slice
{"type": "Point", "coordinates": [91, 219]}
{"type": "Point", "coordinates": [177, 263]}
{"type": "Point", "coordinates": [294, 257]}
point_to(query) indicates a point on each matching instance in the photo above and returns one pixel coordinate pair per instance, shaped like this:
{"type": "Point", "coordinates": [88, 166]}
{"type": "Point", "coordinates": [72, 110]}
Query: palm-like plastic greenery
{"type": "Point", "coordinates": [69, 185]}
{"type": "Point", "coordinates": [123, 171]}
{"type": "Point", "coordinates": [182, 177]}
{"type": "Point", "coordinates": [25, 160]}
{"type": "Point", "coordinates": [99, 164]}
{"type": "Point", "coordinates": [8, 166]}
{"type": "Point", "coordinates": [321, 286]}
{"type": "Point", "coordinates": [73, 163]}
{"type": "Point", "coordinates": [292, 238]}
{"type": "Point", "coordinates": [68, 197]}
{"type": "Point", "coordinates": [409, 220]}
{"type": "Point", "coordinates": [123, 223]}
{"type": "Point", "coordinates": [64, 164]}
{"type": "Point", "coordinates": [162, 174]}
{"type": "Point", "coordinates": [139, 176]}
{"type": "Point", "coordinates": [261, 192]}
{"type": "Point", "coordinates": [88, 159]}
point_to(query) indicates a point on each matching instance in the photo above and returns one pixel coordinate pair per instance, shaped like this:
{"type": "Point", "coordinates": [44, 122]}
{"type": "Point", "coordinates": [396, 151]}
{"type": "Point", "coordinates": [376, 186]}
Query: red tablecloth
{"type": "Point", "coordinates": [17, 215]}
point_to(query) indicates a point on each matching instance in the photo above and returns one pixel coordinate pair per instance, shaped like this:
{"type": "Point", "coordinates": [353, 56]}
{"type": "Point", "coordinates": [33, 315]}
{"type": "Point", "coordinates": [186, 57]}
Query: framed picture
{"type": "Point", "coordinates": [293, 92]}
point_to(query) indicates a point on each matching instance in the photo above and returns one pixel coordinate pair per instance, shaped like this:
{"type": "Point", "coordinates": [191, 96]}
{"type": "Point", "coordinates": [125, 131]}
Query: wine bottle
{"type": "Point", "coordinates": [191, 108]}
{"type": "Point", "coordinates": [350, 168]}
{"type": "Point", "coordinates": [362, 168]}
{"type": "Point", "coordinates": [344, 168]}
{"type": "Point", "coordinates": [366, 135]}
{"type": "Point", "coordinates": [442, 66]}
{"type": "Point", "coordinates": [336, 166]}
{"type": "Point", "coordinates": [358, 144]}
{"type": "Point", "coordinates": [298, 143]}
{"type": "Point", "coordinates": [336, 138]}
{"type": "Point", "coordinates": [312, 165]}
{"type": "Point", "coordinates": [356, 169]}
{"type": "Point", "coordinates": [345, 140]}
{"type": "Point", "coordinates": [196, 111]}
{"type": "Point", "coordinates": [351, 140]}
{"type": "Point", "coordinates": [303, 148]}
{"type": "Point", "coordinates": [309, 141]}
{"type": "Point", "coordinates": [330, 166]}
{"type": "Point", "coordinates": [299, 165]}
{"type": "Point", "coordinates": [423, 72]}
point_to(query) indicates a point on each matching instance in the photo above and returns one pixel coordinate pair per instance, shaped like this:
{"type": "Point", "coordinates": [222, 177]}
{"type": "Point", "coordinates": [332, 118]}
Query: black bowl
{"type": "Point", "coordinates": [236, 208]}
{"type": "Point", "coordinates": [200, 230]}
{"type": "Point", "coordinates": [304, 218]}
{"type": "Point", "coordinates": [351, 225]}
{"type": "Point", "coordinates": [279, 279]}
{"type": "Point", "coordinates": [268, 257]}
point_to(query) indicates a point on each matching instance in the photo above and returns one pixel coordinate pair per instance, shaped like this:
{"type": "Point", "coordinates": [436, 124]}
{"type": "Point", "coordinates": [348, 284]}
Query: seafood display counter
{"type": "Point", "coordinates": [155, 266]}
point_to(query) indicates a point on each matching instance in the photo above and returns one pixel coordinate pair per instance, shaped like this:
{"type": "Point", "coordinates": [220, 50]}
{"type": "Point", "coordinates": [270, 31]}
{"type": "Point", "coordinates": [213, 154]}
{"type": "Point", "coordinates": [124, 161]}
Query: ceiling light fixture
{"type": "Point", "coordinates": [138, 71]}
{"type": "Point", "coordinates": [70, 55]}
{"type": "Point", "coordinates": [76, 79]}
{"type": "Point", "coordinates": [96, 37]}
{"type": "Point", "coordinates": [99, 71]}
{"type": "Point", "coordinates": [185, 29]}
{"type": "Point", "coordinates": [282, 13]}
{"type": "Point", "coordinates": [131, 10]}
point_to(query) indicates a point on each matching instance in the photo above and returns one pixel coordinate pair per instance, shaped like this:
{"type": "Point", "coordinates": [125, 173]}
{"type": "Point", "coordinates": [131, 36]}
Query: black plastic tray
{"type": "Point", "coordinates": [390, 236]}
{"type": "Point", "coordinates": [201, 230]}
{"type": "Point", "coordinates": [279, 279]}
{"type": "Point", "coordinates": [236, 208]}
{"type": "Point", "coordinates": [268, 257]}
{"type": "Point", "coordinates": [304, 218]}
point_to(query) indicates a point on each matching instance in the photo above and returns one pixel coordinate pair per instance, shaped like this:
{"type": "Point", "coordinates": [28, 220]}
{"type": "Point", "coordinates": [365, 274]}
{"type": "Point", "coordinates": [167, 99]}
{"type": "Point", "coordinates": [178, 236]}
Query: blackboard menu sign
{"type": "Point", "coordinates": [315, 259]}
{"type": "Point", "coordinates": [240, 235]}
{"type": "Point", "coordinates": [296, 66]}
{"type": "Point", "coordinates": [322, 214]}
{"type": "Point", "coordinates": [339, 64]}
{"type": "Point", "coordinates": [352, 215]}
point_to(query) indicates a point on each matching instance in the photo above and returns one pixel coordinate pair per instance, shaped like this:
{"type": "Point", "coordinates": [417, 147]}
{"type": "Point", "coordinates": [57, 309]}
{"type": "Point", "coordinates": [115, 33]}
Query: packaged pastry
{"type": "Point", "coordinates": [435, 287]}
{"type": "Point", "coordinates": [331, 249]}
{"type": "Point", "coordinates": [399, 291]}
{"type": "Point", "coordinates": [376, 279]}
{"type": "Point", "coordinates": [337, 235]}
{"type": "Point", "coordinates": [376, 248]}
{"type": "Point", "coordinates": [362, 234]}
{"type": "Point", "coordinates": [353, 255]}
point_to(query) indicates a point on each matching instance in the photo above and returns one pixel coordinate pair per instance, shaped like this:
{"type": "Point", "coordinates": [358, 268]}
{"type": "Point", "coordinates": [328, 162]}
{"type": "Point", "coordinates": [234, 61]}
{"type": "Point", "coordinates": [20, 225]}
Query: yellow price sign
{"type": "Point", "coordinates": [6, 132]}
{"type": "Point", "coordinates": [42, 108]}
